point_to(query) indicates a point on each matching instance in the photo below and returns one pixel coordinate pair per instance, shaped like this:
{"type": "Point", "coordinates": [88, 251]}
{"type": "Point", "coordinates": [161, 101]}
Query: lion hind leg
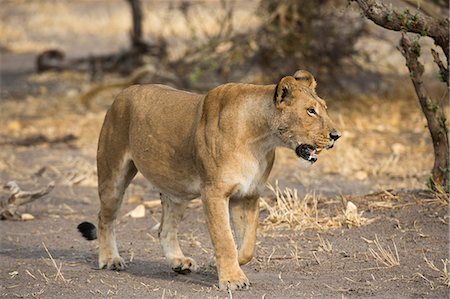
{"type": "Point", "coordinates": [115, 174]}
{"type": "Point", "coordinates": [172, 214]}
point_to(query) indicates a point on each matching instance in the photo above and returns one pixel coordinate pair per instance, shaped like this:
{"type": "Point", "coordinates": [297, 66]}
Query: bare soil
{"type": "Point", "coordinates": [288, 263]}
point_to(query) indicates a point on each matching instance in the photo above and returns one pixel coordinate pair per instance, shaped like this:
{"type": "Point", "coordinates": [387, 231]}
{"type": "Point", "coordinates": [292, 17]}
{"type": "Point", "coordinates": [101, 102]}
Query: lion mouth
{"type": "Point", "coordinates": [307, 152]}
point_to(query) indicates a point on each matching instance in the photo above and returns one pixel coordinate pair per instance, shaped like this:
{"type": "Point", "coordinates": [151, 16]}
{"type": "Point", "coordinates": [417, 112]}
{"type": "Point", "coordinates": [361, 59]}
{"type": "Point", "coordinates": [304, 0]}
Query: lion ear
{"type": "Point", "coordinates": [306, 79]}
{"type": "Point", "coordinates": [283, 91]}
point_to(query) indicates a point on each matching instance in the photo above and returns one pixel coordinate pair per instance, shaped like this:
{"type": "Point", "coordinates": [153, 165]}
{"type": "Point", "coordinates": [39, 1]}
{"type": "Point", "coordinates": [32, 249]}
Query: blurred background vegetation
{"type": "Point", "coordinates": [199, 44]}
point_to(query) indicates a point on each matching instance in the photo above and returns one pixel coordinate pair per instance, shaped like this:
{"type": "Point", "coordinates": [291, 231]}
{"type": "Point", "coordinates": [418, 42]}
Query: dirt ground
{"type": "Point", "coordinates": [289, 263]}
{"type": "Point", "coordinates": [396, 247]}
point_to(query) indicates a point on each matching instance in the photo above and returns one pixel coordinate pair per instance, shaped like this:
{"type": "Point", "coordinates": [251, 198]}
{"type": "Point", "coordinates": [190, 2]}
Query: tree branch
{"type": "Point", "coordinates": [18, 197]}
{"type": "Point", "coordinates": [382, 15]}
{"type": "Point", "coordinates": [442, 69]}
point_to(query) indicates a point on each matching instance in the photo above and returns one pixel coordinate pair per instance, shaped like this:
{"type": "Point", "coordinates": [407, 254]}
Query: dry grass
{"type": "Point", "coordinates": [444, 275]}
{"type": "Point", "coordinates": [387, 257]}
{"type": "Point", "coordinates": [288, 210]}
{"type": "Point", "coordinates": [442, 197]}
{"type": "Point", "coordinates": [324, 245]}
{"type": "Point", "coordinates": [58, 268]}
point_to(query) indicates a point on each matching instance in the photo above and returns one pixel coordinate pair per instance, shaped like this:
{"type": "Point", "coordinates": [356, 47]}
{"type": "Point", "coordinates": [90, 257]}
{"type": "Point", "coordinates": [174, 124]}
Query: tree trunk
{"type": "Point", "coordinates": [136, 34]}
{"type": "Point", "coordinates": [405, 21]}
{"type": "Point", "coordinates": [433, 112]}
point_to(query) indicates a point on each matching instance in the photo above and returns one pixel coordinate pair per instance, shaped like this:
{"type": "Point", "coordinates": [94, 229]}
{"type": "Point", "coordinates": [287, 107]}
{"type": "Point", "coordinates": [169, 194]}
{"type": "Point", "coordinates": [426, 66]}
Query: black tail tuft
{"type": "Point", "coordinates": [87, 230]}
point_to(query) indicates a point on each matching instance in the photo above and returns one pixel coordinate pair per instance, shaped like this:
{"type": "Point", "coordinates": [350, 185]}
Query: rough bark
{"type": "Point", "coordinates": [433, 113]}
{"type": "Point", "coordinates": [407, 21]}
{"type": "Point", "coordinates": [443, 70]}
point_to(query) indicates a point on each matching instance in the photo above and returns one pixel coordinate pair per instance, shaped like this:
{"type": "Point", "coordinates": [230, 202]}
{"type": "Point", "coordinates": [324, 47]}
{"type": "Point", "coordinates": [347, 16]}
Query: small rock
{"type": "Point", "coordinates": [156, 227]}
{"type": "Point", "coordinates": [138, 212]}
{"type": "Point", "coordinates": [151, 204]}
{"type": "Point", "coordinates": [351, 209]}
{"type": "Point", "coordinates": [26, 217]}
{"type": "Point", "coordinates": [361, 175]}
{"type": "Point", "coordinates": [398, 149]}
{"type": "Point", "coordinates": [134, 199]}
{"type": "Point", "coordinates": [196, 243]}
{"type": "Point", "coordinates": [352, 218]}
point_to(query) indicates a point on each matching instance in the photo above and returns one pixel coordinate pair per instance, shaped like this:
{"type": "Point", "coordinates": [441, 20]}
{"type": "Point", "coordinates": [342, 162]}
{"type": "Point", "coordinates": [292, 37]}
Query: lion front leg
{"type": "Point", "coordinates": [244, 217]}
{"type": "Point", "coordinates": [231, 275]}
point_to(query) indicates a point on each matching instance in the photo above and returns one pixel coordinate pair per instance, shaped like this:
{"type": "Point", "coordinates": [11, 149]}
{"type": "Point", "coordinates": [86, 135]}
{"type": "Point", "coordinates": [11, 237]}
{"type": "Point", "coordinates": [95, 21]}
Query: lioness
{"type": "Point", "coordinates": [220, 146]}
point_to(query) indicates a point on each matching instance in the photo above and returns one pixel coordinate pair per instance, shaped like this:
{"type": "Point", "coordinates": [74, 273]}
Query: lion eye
{"type": "Point", "coordinates": [311, 111]}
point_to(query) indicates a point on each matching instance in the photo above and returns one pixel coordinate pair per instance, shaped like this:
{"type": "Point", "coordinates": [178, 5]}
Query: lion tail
{"type": "Point", "coordinates": [87, 230]}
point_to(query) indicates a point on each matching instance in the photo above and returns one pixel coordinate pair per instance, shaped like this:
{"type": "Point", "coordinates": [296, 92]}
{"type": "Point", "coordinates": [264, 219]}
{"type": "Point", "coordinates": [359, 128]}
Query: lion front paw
{"type": "Point", "coordinates": [113, 263]}
{"type": "Point", "coordinates": [233, 282]}
{"type": "Point", "coordinates": [183, 265]}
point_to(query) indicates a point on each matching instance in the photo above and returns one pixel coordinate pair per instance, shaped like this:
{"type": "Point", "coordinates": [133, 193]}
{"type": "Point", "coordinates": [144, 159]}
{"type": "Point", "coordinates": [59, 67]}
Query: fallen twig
{"type": "Point", "coordinates": [39, 139]}
{"type": "Point", "coordinates": [19, 197]}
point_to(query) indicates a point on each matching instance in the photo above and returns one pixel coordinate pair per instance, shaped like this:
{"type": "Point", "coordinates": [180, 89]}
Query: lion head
{"type": "Point", "coordinates": [301, 120]}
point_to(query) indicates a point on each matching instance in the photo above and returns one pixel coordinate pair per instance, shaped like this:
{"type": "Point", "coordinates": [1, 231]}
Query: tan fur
{"type": "Point", "coordinates": [220, 146]}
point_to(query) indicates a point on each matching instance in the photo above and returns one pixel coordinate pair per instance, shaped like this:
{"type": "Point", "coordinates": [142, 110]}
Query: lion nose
{"type": "Point", "coordinates": [335, 135]}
